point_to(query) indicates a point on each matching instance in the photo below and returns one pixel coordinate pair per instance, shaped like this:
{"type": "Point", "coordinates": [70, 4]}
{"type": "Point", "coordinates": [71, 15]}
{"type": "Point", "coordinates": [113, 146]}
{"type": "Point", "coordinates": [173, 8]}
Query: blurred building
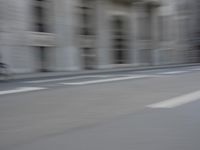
{"type": "Point", "coordinates": [195, 29]}
{"type": "Point", "coordinates": [66, 35]}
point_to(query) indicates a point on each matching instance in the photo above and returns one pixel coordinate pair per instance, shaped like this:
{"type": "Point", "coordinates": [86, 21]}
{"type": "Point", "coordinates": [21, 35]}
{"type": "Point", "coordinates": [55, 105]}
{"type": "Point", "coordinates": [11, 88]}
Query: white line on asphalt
{"type": "Point", "coordinates": [107, 80]}
{"type": "Point", "coordinates": [177, 101]}
{"type": "Point", "coordinates": [172, 72]}
{"type": "Point", "coordinates": [62, 79]}
{"type": "Point", "coordinates": [21, 89]}
{"type": "Point", "coordinates": [196, 69]}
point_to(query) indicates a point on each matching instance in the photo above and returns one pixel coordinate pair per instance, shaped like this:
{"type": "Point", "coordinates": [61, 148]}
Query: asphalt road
{"type": "Point", "coordinates": [154, 110]}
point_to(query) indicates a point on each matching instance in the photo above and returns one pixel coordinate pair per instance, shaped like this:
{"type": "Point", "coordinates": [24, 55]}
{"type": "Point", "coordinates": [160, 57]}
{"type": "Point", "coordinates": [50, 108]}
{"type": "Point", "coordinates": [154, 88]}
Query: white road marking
{"type": "Point", "coordinates": [21, 89]}
{"type": "Point", "coordinates": [172, 72]}
{"type": "Point", "coordinates": [62, 79]}
{"type": "Point", "coordinates": [107, 80]}
{"type": "Point", "coordinates": [177, 101]}
{"type": "Point", "coordinates": [196, 69]}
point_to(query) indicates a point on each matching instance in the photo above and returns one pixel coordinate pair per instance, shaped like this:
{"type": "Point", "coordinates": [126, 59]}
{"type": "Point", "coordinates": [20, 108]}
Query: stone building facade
{"type": "Point", "coordinates": [67, 35]}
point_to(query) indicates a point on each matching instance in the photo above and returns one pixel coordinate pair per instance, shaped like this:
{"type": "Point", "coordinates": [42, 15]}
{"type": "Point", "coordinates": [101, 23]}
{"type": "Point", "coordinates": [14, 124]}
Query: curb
{"type": "Point", "coordinates": [102, 71]}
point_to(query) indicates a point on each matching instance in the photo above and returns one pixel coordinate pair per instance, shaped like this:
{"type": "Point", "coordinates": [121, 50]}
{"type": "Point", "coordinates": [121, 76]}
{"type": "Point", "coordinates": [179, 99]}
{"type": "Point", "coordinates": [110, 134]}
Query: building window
{"type": "Point", "coordinates": [39, 15]}
{"type": "Point", "coordinates": [87, 33]}
{"type": "Point", "coordinates": [119, 40]}
{"type": "Point", "coordinates": [40, 22]}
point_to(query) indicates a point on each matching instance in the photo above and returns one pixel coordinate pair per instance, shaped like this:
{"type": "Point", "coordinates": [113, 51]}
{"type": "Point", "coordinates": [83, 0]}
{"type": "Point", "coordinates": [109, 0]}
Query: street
{"type": "Point", "coordinates": [132, 110]}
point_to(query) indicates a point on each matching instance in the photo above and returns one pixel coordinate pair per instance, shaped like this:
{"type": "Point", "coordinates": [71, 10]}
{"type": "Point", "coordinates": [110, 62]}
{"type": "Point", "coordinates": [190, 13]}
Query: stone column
{"type": "Point", "coordinates": [103, 36]}
{"type": "Point", "coordinates": [66, 25]}
{"type": "Point", "coordinates": [135, 47]}
{"type": "Point", "coordinates": [16, 54]}
{"type": "Point", "coordinates": [155, 41]}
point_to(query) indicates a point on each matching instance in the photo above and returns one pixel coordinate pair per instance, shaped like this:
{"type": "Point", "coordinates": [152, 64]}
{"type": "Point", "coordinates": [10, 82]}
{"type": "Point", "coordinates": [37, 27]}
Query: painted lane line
{"type": "Point", "coordinates": [21, 90]}
{"type": "Point", "coordinates": [172, 72]}
{"type": "Point", "coordinates": [71, 78]}
{"type": "Point", "coordinates": [195, 69]}
{"type": "Point", "coordinates": [107, 80]}
{"type": "Point", "coordinates": [52, 80]}
{"type": "Point", "coordinates": [177, 101]}
{"type": "Point", "coordinates": [62, 79]}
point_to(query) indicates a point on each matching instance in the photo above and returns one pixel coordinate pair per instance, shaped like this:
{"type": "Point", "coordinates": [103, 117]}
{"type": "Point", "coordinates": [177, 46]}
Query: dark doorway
{"type": "Point", "coordinates": [119, 40]}
{"type": "Point", "coordinates": [42, 58]}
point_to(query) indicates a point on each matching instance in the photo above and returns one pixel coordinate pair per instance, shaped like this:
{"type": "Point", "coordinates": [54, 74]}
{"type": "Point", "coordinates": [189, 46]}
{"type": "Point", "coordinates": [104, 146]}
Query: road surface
{"type": "Point", "coordinates": [154, 110]}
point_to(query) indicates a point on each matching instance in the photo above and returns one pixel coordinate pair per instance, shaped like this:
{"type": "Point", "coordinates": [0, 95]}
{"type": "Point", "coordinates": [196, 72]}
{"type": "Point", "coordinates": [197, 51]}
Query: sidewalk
{"type": "Point", "coordinates": [90, 72]}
